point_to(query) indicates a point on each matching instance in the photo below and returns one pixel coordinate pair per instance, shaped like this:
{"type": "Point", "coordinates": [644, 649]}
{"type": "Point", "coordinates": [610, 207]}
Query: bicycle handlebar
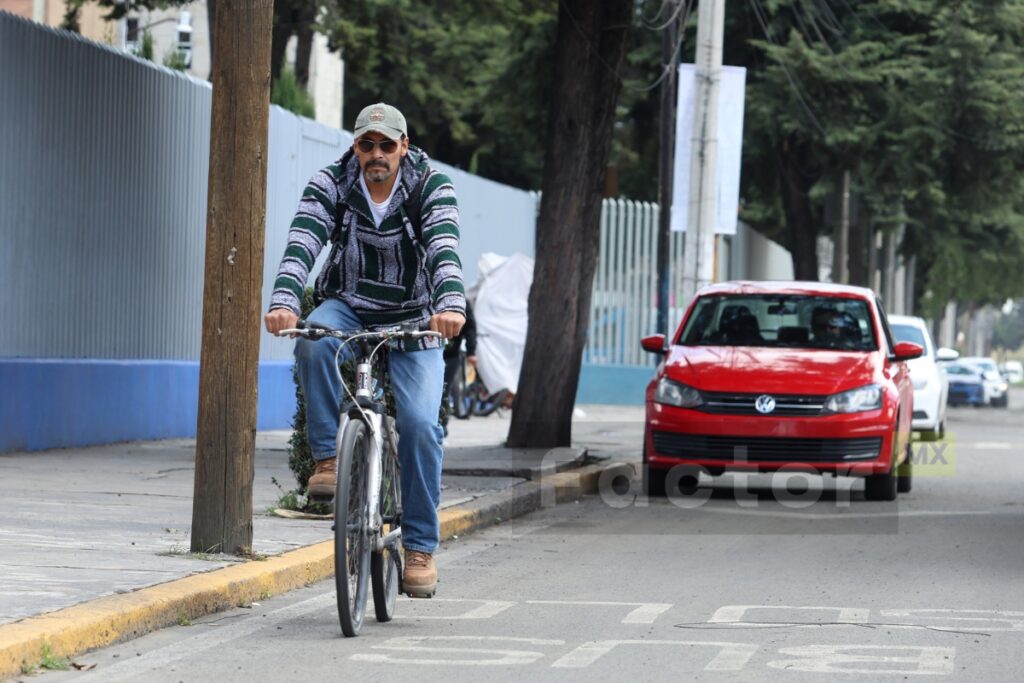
{"type": "Point", "coordinates": [312, 330]}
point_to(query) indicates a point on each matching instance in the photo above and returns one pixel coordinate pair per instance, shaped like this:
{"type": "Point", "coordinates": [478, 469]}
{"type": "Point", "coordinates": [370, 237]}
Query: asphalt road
{"type": "Point", "coordinates": [742, 581]}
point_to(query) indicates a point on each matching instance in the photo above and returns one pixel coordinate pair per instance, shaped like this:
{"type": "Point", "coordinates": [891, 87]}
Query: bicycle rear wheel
{"type": "Point", "coordinates": [386, 565]}
{"type": "Point", "coordinates": [351, 527]}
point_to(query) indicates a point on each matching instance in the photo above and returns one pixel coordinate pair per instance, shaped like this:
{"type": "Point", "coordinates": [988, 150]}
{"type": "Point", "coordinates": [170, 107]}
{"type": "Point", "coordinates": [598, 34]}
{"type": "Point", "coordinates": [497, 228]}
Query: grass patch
{"type": "Point", "coordinates": [47, 661]}
{"type": "Point", "coordinates": [295, 500]}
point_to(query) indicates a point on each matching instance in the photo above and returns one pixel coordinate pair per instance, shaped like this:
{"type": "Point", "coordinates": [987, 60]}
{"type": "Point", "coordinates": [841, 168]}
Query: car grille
{"type": "Point", "coordinates": [920, 415]}
{"type": "Point", "coordinates": [768, 449]}
{"type": "Point", "coordinates": [743, 404]}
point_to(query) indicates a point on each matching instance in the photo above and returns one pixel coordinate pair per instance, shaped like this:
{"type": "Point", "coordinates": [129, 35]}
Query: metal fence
{"type": "Point", "coordinates": [103, 186]}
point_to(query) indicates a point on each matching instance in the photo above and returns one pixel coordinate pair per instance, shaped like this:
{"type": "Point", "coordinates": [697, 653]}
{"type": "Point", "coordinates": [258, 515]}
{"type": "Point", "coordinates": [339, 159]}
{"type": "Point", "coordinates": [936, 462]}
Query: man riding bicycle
{"type": "Point", "coordinates": [385, 268]}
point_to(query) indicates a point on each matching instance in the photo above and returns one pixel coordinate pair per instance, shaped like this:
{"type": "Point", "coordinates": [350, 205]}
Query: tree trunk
{"type": "Point", "coordinates": [304, 46]}
{"type": "Point", "coordinates": [235, 217]}
{"type": "Point", "coordinates": [591, 46]}
{"type": "Point", "coordinates": [797, 181]}
{"type": "Point", "coordinates": [858, 246]}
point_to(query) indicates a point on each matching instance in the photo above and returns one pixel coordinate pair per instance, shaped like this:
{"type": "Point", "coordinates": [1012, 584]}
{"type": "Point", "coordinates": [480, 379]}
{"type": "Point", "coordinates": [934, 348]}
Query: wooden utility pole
{"type": "Point", "coordinates": [666, 158]}
{"type": "Point", "coordinates": [236, 207]}
{"type": "Point", "coordinates": [699, 254]}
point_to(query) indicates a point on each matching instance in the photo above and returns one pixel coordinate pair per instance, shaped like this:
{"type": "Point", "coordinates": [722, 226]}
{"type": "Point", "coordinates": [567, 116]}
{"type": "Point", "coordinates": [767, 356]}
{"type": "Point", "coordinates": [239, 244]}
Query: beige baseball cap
{"type": "Point", "coordinates": [381, 118]}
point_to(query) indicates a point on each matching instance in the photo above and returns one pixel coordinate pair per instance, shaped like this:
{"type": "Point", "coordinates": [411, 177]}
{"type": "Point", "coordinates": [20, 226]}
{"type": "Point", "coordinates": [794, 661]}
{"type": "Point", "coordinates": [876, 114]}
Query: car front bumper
{"type": "Point", "coordinates": [855, 444]}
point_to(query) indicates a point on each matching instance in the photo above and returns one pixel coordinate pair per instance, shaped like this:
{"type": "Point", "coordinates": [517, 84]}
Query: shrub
{"type": "Point", "coordinates": [289, 94]}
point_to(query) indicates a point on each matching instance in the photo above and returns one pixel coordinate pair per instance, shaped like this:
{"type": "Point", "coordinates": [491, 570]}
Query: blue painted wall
{"type": "Point", "coordinates": [70, 403]}
{"type": "Point", "coordinates": [64, 403]}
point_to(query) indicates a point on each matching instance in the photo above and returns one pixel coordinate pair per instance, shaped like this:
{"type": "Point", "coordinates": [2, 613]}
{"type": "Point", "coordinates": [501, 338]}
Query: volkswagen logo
{"type": "Point", "coordinates": [764, 404]}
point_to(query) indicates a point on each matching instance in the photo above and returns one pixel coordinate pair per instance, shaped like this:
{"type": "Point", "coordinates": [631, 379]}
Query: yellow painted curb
{"type": "Point", "coordinates": [116, 618]}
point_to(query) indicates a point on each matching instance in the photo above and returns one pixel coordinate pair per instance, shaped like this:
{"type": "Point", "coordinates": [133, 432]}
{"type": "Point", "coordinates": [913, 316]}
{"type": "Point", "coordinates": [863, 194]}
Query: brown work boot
{"type": "Point", "coordinates": [420, 577]}
{"type": "Point", "coordinates": [322, 483]}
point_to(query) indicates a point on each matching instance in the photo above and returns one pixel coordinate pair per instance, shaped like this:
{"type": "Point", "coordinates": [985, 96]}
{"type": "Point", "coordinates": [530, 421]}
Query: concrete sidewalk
{"type": "Point", "coordinates": [81, 524]}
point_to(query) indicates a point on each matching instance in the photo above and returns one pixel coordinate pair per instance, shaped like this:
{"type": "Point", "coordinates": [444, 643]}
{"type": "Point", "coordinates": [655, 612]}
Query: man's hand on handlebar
{"type": "Point", "coordinates": [280, 319]}
{"type": "Point", "coordinates": [448, 323]}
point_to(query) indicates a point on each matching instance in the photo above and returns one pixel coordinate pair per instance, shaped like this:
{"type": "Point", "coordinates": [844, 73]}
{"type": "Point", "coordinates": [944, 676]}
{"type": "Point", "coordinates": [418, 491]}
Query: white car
{"type": "Point", "coordinates": [1013, 371]}
{"type": "Point", "coordinates": [997, 390]}
{"type": "Point", "coordinates": [931, 386]}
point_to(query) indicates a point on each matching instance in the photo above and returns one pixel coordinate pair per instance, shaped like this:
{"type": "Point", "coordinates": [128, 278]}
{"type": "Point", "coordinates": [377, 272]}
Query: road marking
{"type": "Point", "coordinates": [486, 610]}
{"type": "Point", "coordinates": [424, 644]}
{"type": "Point", "coordinates": [1013, 621]}
{"type": "Point", "coordinates": [730, 656]}
{"type": "Point", "coordinates": [839, 517]}
{"type": "Point", "coordinates": [929, 661]}
{"type": "Point", "coordinates": [993, 445]}
{"type": "Point", "coordinates": [733, 615]}
{"type": "Point", "coordinates": [645, 612]}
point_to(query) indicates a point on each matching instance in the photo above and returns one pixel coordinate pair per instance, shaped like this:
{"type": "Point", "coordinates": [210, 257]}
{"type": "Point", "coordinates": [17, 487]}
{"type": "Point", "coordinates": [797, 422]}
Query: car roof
{"type": "Point", "coordinates": [907, 320]}
{"type": "Point", "coordinates": [787, 287]}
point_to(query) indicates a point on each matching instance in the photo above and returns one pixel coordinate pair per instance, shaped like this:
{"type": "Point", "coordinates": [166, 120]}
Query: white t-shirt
{"type": "Point", "coordinates": [379, 209]}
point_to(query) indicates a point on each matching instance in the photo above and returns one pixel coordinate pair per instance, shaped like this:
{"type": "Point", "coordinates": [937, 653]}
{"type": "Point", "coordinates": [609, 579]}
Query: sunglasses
{"type": "Point", "coordinates": [387, 146]}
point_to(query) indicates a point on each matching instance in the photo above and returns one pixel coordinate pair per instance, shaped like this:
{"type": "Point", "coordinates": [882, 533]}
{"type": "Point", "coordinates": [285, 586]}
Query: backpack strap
{"type": "Point", "coordinates": [414, 206]}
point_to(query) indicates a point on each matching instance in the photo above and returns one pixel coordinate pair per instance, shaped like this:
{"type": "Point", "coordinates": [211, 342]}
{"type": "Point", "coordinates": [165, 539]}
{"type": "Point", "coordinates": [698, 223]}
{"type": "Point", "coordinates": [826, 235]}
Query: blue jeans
{"type": "Point", "coordinates": [416, 381]}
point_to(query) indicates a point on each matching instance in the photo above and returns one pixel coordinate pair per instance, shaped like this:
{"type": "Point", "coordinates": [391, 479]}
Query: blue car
{"type": "Point", "coordinates": [966, 385]}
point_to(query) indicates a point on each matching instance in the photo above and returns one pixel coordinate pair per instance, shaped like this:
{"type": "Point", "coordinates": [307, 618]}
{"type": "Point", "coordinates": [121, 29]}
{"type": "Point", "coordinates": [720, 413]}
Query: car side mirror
{"type": "Point", "coordinates": [907, 351]}
{"type": "Point", "coordinates": [946, 353]}
{"type": "Point", "coordinates": [654, 343]}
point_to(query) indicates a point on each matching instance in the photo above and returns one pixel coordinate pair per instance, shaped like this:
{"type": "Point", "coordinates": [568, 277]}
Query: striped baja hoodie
{"type": "Point", "coordinates": [385, 274]}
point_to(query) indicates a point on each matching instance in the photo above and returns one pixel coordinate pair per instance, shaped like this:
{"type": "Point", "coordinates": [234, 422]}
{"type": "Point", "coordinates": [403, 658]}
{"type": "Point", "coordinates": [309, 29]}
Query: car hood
{"type": "Point", "coordinates": [750, 369]}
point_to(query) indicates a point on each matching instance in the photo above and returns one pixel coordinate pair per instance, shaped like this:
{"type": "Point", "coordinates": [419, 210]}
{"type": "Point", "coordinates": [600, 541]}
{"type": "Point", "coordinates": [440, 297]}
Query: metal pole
{"type": "Point", "coordinates": [699, 255]}
{"type": "Point", "coordinates": [667, 140]}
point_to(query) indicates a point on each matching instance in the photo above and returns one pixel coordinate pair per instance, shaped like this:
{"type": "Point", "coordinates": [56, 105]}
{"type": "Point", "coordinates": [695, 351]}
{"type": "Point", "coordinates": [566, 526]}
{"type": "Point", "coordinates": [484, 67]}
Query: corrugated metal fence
{"type": "Point", "coordinates": [103, 185]}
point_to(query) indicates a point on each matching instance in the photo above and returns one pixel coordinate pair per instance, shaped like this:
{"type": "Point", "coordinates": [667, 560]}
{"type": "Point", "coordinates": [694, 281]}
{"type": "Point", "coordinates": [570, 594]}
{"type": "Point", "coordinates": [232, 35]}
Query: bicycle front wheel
{"type": "Point", "coordinates": [385, 566]}
{"type": "Point", "coordinates": [352, 526]}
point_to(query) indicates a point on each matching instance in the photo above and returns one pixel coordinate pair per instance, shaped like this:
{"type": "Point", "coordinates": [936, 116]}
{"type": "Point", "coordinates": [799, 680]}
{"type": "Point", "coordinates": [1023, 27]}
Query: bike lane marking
{"type": "Point", "coordinates": [487, 609]}
{"type": "Point", "coordinates": [733, 615]}
{"type": "Point", "coordinates": [829, 659]}
{"type": "Point", "coordinates": [645, 612]}
{"type": "Point", "coordinates": [425, 645]}
{"type": "Point", "coordinates": [960, 619]}
{"type": "Point", "coordinates": [730, 656]}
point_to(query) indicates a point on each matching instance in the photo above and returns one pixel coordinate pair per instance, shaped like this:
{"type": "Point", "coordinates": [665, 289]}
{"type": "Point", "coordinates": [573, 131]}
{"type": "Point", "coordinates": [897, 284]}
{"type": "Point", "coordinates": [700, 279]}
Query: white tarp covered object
{"type": "Point", "coordinates": [500, 300]}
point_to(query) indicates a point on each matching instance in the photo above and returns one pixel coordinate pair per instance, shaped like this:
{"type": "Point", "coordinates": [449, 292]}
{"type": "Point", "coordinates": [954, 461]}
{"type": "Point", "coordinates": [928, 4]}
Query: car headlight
{"type": "Point", "coordinates": [676, 394]}
{"type": "Point", "coordinates": [1004, 386]}
{"type": "Point", "coordinates": [919, 382]}
{"type": "Point", "coordinates": [855, 400]}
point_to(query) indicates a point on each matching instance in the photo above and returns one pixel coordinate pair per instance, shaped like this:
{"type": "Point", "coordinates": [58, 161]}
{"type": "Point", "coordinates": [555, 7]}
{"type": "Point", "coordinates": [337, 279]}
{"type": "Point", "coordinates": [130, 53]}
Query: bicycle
{"type": "Point", "coordinates": [368, 496]}
{"type": "Point", "coordinates": [467, 394]}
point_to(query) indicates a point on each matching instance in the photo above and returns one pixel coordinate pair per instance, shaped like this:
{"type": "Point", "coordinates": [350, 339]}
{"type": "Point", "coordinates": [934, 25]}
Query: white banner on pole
{"type": "Point", "coordinates": [730, 147]}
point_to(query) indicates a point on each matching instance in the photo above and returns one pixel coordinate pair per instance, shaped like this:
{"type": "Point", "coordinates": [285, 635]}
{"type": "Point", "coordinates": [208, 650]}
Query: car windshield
{"type": "Point", "coordinates": [785, 321]}
{"type": "Point", "coordinates": [962, 370]}
{"type": "Point", "coordinates": [908, 333]}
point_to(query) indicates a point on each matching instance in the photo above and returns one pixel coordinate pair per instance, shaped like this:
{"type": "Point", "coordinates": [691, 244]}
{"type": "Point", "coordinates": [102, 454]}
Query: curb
{"type": "Point", "coordinates": [116, 618]}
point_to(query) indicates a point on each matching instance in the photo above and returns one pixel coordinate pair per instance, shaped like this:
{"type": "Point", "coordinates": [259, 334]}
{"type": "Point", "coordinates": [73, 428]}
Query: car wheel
{"type": "Point", "coordinates": [930, 434]}
{"type": "Point", "coordinates": [905, 473]}
{"type": "Point", "coordinates": [653, 479]}
{"type": "Point", "coordinates": [882, 486]}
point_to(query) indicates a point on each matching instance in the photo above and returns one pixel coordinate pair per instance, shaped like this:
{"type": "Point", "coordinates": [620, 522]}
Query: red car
{"type": "Point", "coordinates": [763, 376]}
